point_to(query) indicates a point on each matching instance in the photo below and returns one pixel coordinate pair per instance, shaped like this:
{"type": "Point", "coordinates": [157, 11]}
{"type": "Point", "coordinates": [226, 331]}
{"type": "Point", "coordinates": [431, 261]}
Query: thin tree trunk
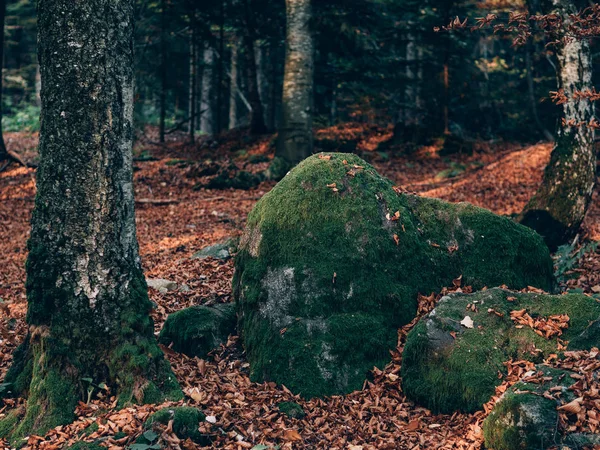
{"type": "Point", "coordinates": [559, 206]}
{"type": "Point", "coordinates": [220, 70]}
{"type": "Point", "coordinates": [88, 307]}
{"type": "Point", "coordinates": [262, 77]}
{"type": "Point", "coordinates": [192, 80]}
{"type": "Point", "coordinates": [257, 121]}
{"type": "Point", "coordinates": [233, 103]}
{"type": "Point", "coordinates": [4, 155]}
{"type": "Point", "coordinates": [163, 69]}
{"type": "Point", "coordinates": [295, 141]}
{"type": "Point", "coordinates": [207, 123]}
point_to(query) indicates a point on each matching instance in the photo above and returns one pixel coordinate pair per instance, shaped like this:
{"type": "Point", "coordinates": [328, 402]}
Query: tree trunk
{"type": "Point", "coordinates": [262, 76]}
{"type": "Point", "coordinates": [207, 124]}
{"type": "Point", "coordinates": [257, 121]}
{"type": "Point", "coordinates": [295, 141]}
{"type": "Point", "coordinates": [88, 307]}
{"type": "Point", "coordinates": [192, 82]}
{"type": "Point", "coordinates": [163, 69]}
{"type": "Point", "coordinates": [233, 75]}
{"type": "Point", "coordinates": [559, 206]}
{"type": "Point", "coordinates": [220, 70]}
{"type": "Point", "coordinates": [4, 155]}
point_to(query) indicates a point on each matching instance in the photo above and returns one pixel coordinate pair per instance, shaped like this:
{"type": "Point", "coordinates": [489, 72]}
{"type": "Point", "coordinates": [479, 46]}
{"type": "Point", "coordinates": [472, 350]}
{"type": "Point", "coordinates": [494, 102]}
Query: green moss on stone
{"type": "Point", "coordinates": [197, 330]}
{"type": "Point", "coordinates": [9, 422]}
{"type": "Point", "coordinates": [524, 419]}
{"type": "Point", "coordinates": [448, 374]}
{"type": "Point", "coordinates": [292, 409]}
{"type": "Point", "coordinates": [322, 286]}
{"type": "Point", "coordinates": [185, 422]}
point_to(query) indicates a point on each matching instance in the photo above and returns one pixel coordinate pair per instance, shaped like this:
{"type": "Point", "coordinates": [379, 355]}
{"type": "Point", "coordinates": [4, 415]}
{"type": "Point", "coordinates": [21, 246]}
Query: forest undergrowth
{"type": "Point", "coordinates": [177, 216]}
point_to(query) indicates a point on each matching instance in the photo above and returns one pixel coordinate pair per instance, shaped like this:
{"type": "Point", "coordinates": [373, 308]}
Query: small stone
{"type": "Point", "coordinates": [161, 285]}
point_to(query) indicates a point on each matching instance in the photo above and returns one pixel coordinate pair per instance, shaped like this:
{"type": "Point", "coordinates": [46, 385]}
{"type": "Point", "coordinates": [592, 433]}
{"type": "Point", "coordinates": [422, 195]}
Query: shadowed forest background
{"type": "Point", "coordinates": [304, 287]}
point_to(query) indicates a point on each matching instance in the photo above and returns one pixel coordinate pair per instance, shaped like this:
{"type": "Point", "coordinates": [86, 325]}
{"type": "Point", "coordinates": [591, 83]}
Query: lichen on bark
{"type": "Point", "coordinates": [88, 307]}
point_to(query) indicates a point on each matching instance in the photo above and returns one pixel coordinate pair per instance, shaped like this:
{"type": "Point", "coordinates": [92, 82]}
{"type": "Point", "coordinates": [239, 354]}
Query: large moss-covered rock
{"type": "Point", "coordinates": [332, 260]}
{"type": "Point", "coordinates": [197, 330]}
{"type": "Point", "coordinates": [449, 367]}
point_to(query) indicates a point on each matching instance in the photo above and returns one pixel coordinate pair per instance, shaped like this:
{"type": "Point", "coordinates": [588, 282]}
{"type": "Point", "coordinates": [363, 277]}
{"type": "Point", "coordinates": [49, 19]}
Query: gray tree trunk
{"type": "Point", "coordinates": [207, 123]}
{"type": "Point", "coordinates": [559, 206]}
{"type": "Point", "coordinates": [88, 307]}
{"type": "Point", "coordinates": [4, 155]}
{"type": "Point", "coordinates": [295, 141]}
{"type": "Point", "coordinates": [262, 72]}
{"type": "Point", "coordinates": [233, 75]}
{"type": "Point", "coordinates": [192, 86]}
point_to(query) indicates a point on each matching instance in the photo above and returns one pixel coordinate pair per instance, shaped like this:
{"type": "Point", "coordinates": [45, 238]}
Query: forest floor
{"type": "Point", "coordinates": [176, 217]}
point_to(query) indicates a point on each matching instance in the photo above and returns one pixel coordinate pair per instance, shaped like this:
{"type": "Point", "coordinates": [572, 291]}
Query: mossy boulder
{"type": "Point", "coordinates": [185, 422]}
{"type": "Point", "coordinates": [525, 419]}
{"type": "Point", "coordinates": [198, 330]}
{"type": "Point", "coordinates": [448, 367]}
{"type": "Point", "coordinates": [332, 259]}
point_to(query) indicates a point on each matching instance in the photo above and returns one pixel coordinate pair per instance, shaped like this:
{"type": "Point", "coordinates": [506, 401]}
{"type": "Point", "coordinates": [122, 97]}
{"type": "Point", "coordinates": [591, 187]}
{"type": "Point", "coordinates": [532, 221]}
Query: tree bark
{"type": "Point", "coordinates": [559, 206]}
{"type": "Point", "coordinates": [4, 155]}
{"type": "Point", "coordinates": [295, 141]}
{"type": "Point", "coordinates": [207, 124]}
{"type": "Point", "coordinates": [233, 75]}
{"type": "Point", "coordinates": [192, 80]}
{"type": "Point", "coordinates": [163, 69]}
{"type": "Point", "coordinates": [257, 120]}
{"type": "Point", "coordinates": [88, 307]}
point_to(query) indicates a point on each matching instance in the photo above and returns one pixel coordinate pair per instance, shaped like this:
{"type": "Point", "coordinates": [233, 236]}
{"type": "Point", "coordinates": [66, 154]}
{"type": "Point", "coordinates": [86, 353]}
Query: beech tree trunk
{"type": "Point", "coordinates": [207, 124]}
{"type": "Point", "coordinates": [295, 141]}
{"type": "Point", "coordinates": [192, 82]}
{"type": "Point", "coordinates": [559, 206]}
{"type": "Point", "coordinates": [88, 307]}
{"type": "Point", "coordinates": [163, 69]}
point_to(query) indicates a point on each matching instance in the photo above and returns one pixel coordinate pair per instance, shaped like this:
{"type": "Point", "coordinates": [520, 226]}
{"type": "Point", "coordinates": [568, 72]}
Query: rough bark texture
{"type": "Point", "coordinates": [559, 206]}
{"type": "Point", "coordinates": [88, 308]}
{"type": "Point", "coordinates": [207, 124]}
{"type": "Point", "coordinates": [295, 141]}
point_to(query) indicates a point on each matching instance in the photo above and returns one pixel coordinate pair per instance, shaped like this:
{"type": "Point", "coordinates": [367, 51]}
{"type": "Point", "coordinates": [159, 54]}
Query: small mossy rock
{"type": "Point", "coordinates": [331, 262]}
{"type": "Point", "coordinates": [222, 250]}
{"type": "Point", "coordinates": [526, 420]}
{"type": "Point", "coordinates": [185, 422]}
{"type": "Point", "coordinates": [292, 409]}
{"type": "Point", "coordinates": [198, 330]}
{"type": "Point", "coordinates": [448, 367]}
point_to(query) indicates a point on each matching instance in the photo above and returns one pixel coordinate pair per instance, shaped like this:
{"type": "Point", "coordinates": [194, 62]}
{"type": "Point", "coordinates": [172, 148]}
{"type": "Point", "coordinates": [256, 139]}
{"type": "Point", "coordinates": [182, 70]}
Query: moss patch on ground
{"type": "Point", "coordinates": [197, 330]}
{"type": "Point", "coordinates": [448, 367]}
{"type": "Point", "coordinates": [185, 422]}
{"type": "Point", "coordinates": [333, 258]}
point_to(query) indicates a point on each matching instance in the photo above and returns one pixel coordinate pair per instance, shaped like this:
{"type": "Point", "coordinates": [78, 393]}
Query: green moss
{"type": "Point", "coordinates": [9, 422]}
{"type": "Point", "coordinates": [313, 257]}
{"type": "Point", "coordinates": [185, 422]}
{"type": "Point", "coordinates": [197, 330]}
{"type": "Point", "coordinates": [92, 429]}
{"type": "Point", "coordinates": [278, 168]}
{"type": "Point", "coordinates": [292, 410]}
{"type": "Point", "coordinates": [447, 374]}
{"type": "Point", "coordinates": [524, 419]}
